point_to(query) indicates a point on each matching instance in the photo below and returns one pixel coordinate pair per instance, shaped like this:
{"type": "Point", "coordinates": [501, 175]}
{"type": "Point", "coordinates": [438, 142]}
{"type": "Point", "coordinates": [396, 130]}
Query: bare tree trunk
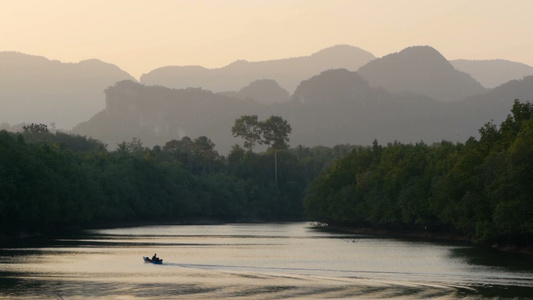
{"type": "Point", "coordinates": [276, 167]}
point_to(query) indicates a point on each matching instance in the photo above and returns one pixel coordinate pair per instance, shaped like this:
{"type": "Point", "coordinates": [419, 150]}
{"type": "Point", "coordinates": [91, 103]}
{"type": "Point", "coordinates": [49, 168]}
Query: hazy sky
{"type": "Point", "coordinates": [139, 35]}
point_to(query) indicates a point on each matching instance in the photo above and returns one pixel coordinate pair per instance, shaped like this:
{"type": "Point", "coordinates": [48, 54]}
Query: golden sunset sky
{"type": "Point", "coordinates": [139, 36]}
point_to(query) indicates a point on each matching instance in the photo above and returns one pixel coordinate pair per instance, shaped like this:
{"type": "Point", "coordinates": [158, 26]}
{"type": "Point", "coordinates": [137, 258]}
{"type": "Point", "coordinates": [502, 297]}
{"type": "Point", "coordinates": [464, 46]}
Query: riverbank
{"type": "Point", "coordinates": [429, 236]}
{"type": "Point", "coordinates": [382, 232]}
{"type": "Point", "coordinates": [186, 221]}
{"type": "Point", "coordinates": [106, 224]}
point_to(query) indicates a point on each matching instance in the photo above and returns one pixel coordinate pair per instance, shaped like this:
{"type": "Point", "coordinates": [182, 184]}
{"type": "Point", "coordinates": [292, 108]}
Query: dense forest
{"type": "Point", "coordinates": [53, 180]}
{"type": "Point", "coordinates": [481, 188]}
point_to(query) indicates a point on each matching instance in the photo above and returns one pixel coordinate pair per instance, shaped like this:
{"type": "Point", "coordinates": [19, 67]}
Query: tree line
{"type": "Point", "coordinates": [53, 180]}
{"type": "Point", "coordinates": [481, 188]}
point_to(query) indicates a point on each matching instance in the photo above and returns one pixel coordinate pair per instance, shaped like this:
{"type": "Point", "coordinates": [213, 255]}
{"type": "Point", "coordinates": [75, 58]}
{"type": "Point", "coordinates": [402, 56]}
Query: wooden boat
{"type": "Point", "coordinates": [157, 261]}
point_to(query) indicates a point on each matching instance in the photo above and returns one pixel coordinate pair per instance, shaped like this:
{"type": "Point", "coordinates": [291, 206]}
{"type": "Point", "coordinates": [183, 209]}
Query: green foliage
{"type": "Point", "coordinates": [198, 156]}
{"type": "Point", "coordinates": [42, 185]}
{"type": "Point", "coordinates": [39, 134]}
{"type": "Point", "coordinates": [274, 132]}
{"type": "Point", "coordinates": [249, 129]}
{"type": "Point", "coordinates": [35, 128]}
{"type": "Point", "coordinates": [480, 188]}
{"type": "Point", "coordinates": [51, 181]}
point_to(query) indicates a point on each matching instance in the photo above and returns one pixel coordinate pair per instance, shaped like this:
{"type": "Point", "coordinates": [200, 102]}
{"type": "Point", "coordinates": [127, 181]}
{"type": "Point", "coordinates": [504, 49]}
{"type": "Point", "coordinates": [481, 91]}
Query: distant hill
{"type": "Point", "coordinates": [287, 72]}
{"type": "Point", "coordinates": [157, 114]}
{"type": "Point", "coordinates": [36, 89]}
{"type": "Point", "coordinates": [335, 86]}
{"type": "Point", "coordinates": [340, 106]}
{"type": "Point", "coordinates": [264, 91]}
{"type": "Point", "coordinates": [334, 107]}
{"type": "Point", "coordinates": [496, 104]}
{"type": "Point", "coordinates": [422, 70]}
{"type": "Point", "coordinates": [492, 73]}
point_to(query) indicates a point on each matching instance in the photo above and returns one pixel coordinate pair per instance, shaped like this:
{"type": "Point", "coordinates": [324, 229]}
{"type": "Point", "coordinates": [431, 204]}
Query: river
{"type": "Point", "coordinates": [255, 261]}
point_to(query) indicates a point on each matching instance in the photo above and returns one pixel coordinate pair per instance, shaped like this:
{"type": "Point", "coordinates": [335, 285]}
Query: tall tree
{"type": "Point", "coordinates": [276, 132]}
{"type": "Point", "coordinates": [248, 128]}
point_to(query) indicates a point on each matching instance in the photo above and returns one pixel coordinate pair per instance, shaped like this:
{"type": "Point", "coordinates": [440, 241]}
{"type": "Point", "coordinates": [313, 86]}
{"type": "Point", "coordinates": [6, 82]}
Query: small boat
{"type": "Point", "coordinates": [157, 261]}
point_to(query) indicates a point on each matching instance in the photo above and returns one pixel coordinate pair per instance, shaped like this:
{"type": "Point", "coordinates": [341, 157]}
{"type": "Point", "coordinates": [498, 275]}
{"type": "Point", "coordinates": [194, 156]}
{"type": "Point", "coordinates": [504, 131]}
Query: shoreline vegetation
{"type": "Point", "coordinates": [431, 236]}
{"type": "Point", "coordinates": [479, 191]}
{"type": "Point", "coordinates": [51, 181]}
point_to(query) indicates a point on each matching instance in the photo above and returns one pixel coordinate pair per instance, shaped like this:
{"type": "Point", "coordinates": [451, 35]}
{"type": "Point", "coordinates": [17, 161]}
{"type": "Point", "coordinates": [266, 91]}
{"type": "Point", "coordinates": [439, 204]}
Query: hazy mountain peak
{"type": "Point", "coordinates": [288, 72]}
{"type": "Point", "coordinates": [492, 73]}
{"type": "Point", "coordinates": [16, 59]}
{"type": "Point", "coordinates": [342, 50]}
{"type": "Point", "coordinates": [421, 49]}
{"type": "Point", "coordinates": [96, 62]}
{"type": "Point", "coordinates": [190, 68]}
{"type": "Point", "coordinates": [336, 106]}
{"type": "Point", "coordinates": [261, 83]}
{"type": "Point", "coordinates": [427, 58]}
{"type": "Point", "coordinates": [264, 91]}
{"type": "Point", "coordinates": [422, 70]}
{"type": "Point", "coordinates": [91, 61]}
{"type": "Point", "coordinates": [339, 85]}
{"type": "Point", "coordinates": [36, 89]}
{"type": "Point", "coordinates": [238, 63]}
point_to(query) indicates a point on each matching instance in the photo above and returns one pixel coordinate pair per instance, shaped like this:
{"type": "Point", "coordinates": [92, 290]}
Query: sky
{"type": "Point", "coordinates": [141, 35]}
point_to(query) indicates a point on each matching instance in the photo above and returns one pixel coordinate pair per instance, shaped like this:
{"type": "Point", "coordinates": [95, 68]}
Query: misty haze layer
{"type": "Point", "coordinates": [397, 97]}
{"type": "Point", "coordinates": [492, 73]}
{"type": "Point", "coordinates": [335, 107]}
{"type": "Point", "coordinates": [287, 72]}
{"type": "Point", "coordinates": [35, 89]}
{"type": "Point", "coordinates": [421, 70]}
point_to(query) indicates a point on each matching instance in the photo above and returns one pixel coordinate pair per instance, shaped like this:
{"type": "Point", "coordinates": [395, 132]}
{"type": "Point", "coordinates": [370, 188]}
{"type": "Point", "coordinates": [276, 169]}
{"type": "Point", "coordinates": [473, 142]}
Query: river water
{"type": "Point", "coordinates": [255, 261]}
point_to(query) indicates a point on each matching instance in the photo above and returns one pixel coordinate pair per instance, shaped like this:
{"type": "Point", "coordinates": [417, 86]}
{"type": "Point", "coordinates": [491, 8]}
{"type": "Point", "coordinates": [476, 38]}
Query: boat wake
{"type": "Point", "coordinates": [305, 283]}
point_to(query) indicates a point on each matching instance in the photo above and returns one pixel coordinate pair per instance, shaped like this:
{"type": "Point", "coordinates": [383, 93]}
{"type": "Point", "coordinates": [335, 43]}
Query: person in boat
{"type": "Point", "coordinates": [155, 258]}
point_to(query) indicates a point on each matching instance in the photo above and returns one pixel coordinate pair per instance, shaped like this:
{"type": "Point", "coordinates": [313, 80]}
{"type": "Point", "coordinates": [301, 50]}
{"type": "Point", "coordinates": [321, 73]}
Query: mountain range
{"type": "Point", "coordinates": [422, 70]}
{"type": "Point", "coordinates": [36, 89]}
{"type": "Point", "coordinates": [492, 73]}
{"type": "Point", "coordinates": [334, 107]}
{"type": "Point", "coordinates": [287, 72]}
{"type": "Point", "coordinates": [339, 95]}
{"type": "Point", "coordinates": [263, 90]}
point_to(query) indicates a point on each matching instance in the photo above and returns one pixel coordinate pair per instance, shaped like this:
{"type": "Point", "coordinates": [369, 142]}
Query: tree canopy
{"type": "Point", "coordinates": [274, 132]}
{"type": "Point", "coordinates": [248, 128]}
{"type": "Point", "coordinates": [481, 188]}
{"type": "Point", "coordinates": [52, 181]}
